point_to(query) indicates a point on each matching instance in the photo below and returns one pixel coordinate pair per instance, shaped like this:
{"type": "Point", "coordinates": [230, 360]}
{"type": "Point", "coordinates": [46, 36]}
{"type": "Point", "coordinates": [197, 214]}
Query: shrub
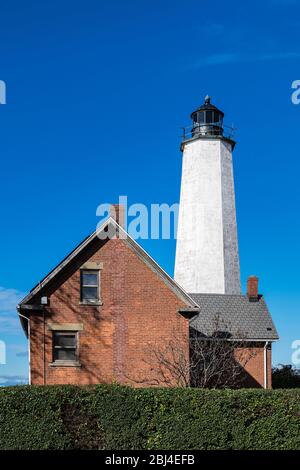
{"type": "Point", "coordinates": [285, 376]}
{"type": "Point", "coordinates": [116, 417]}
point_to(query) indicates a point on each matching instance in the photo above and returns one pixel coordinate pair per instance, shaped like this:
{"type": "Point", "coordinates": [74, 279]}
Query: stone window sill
{"type": "Point", "coordinates": [65, 364]}
{"type": "Point", "coordinates": [91, 304]}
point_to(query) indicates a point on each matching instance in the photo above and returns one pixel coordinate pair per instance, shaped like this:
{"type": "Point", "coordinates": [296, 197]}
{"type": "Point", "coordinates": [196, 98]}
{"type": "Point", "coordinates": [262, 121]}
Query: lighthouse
{"type": "Point", "coordinates": [207, 258]}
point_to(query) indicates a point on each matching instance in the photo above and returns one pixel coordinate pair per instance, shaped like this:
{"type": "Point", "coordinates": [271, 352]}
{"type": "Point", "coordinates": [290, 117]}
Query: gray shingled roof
{"type": "Point", "coordinates": [252, 319]}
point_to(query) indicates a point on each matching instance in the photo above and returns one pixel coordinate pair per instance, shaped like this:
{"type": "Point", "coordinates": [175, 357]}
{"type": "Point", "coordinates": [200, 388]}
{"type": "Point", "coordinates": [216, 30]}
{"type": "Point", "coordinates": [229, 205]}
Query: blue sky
{"type": "Point", "coordinates": [96, 95]}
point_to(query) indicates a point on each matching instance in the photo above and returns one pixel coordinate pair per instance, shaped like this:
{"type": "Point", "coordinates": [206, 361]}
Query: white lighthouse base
{"type": "Point", "coordinates": [207, 259]}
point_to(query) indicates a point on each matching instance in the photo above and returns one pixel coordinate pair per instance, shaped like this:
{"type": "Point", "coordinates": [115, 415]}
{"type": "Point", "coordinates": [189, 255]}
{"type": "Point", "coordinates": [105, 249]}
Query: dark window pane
{"type": "Point", "coordinates": [208, 116]}
{"type": "Point", "coordinates": [89, 279]}
{"type": "Point", "coordinates": [64, 354]}
{"type": "Point", "coordinates": [216, 117]}
{"type": "Point", "coordinates": [89, 293]}
{"type": "Point", "coordinates": [201, 117]}
{"type": "Point", "coordinates": [65, 340]}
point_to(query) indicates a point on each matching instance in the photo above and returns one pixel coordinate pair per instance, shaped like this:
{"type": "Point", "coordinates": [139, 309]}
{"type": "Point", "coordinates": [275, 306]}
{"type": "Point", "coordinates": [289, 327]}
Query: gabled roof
{"type": "Point", "coordinates": [188, 300]}
{"type": "Point", "coordinates": [251, 319]}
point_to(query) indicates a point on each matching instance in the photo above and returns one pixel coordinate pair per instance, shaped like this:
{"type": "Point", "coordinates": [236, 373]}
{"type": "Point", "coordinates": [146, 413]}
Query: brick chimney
{"type": "Point", "coordinates": [117, 212]}
{"type": "Point", "coordinates": [252, 288]}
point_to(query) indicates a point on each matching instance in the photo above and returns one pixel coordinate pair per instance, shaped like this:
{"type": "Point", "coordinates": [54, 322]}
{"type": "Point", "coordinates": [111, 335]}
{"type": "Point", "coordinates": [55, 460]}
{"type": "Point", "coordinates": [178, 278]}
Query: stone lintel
{"type": "Point", "coordinates": [65, 326]}
{"type": "Point", "coordinates": [92, 265]}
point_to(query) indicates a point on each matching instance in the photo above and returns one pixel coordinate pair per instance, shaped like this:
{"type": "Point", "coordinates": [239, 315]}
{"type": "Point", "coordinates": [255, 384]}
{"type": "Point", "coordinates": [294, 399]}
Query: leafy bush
{"type": "Point", "coordinates": [115, 417]}
{"type": "Point", "coordinates": [285, 376]}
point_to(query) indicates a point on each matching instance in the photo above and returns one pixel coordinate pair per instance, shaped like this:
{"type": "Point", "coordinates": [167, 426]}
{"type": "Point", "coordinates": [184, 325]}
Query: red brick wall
{"type": "Point", "coordinates": [138, 310]}
{"type": "Point", "coordinates": [254, 365]}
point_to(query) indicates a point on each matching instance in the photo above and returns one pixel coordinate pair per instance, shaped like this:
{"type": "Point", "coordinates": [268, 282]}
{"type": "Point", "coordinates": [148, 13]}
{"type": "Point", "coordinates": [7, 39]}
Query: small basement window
{"type": "Point", "coordinates": [90, 286]}
{"type": "Point", "coordinates": [65, 346]}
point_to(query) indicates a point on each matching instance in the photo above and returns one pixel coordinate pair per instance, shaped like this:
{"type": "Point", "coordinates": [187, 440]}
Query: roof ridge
{"type": "Point", "coordinates": [217, 294]}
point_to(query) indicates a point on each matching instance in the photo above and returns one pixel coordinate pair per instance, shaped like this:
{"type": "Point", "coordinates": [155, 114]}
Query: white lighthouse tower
{"type": "Point", "coordinates": [207, 259]}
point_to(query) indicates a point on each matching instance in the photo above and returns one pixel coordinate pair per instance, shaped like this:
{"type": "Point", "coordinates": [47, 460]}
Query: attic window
{"type": "Point", "coordinates": [90, 286]}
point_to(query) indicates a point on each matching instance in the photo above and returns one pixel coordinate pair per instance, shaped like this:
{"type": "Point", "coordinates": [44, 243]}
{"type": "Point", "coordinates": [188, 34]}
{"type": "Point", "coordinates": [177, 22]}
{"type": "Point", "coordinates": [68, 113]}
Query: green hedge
{"type": "Point", "coordinates": [115, 417]}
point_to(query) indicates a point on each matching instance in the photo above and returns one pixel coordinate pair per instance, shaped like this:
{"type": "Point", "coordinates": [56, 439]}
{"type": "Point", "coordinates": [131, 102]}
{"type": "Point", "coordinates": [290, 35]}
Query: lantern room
{"type": "Point", "coordinates": [207, 120]}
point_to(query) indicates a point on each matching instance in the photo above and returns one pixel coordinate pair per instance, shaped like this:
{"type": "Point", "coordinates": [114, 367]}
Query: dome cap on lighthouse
{"type": "Point", "coordinates": [208, 106]}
